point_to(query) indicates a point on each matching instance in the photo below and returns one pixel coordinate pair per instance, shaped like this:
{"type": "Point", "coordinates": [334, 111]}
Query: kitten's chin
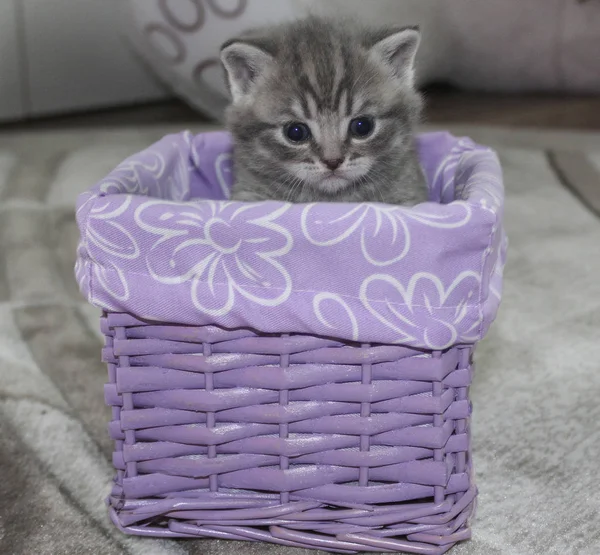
{"type": "Point", "coordinates": [332, 184]}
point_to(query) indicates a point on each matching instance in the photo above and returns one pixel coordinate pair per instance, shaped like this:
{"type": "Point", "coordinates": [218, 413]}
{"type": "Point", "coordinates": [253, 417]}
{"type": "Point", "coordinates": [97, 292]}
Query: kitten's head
{"type": "Point", "coordinates": [321, 105]}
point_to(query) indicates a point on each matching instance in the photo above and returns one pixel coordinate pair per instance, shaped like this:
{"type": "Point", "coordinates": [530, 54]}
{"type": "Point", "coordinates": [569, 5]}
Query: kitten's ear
{"type": "Point", "coordinates": [244, 64]}
{"type": "Point", "coordinates": [397, 48]}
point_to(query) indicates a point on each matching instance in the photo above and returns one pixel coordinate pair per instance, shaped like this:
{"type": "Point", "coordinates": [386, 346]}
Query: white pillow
{"type": "Point", "coordinates": [506, 46]}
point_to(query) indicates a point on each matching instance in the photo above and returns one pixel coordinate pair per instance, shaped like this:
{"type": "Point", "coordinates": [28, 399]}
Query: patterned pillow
{"type": "Point", "coordinates": [485, 45]}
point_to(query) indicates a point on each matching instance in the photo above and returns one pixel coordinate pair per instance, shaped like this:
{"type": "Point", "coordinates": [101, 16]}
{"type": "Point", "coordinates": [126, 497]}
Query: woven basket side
{"type": "Point", "coordinates": [297, 440]}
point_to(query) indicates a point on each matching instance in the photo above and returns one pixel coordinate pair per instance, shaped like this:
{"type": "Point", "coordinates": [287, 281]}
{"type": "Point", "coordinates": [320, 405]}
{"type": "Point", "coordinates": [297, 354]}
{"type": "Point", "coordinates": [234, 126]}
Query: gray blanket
{"type": "Point", "coordinates": [536, 393]}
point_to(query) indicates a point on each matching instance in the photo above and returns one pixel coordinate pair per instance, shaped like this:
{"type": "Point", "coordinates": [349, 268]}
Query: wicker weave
{"type": "Point", "coordinates": [296, 440]}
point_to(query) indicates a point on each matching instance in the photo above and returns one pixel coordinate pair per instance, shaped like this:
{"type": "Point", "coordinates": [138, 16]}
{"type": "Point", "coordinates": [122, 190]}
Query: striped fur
{"type": "Point", "coordinates": [323, 74]}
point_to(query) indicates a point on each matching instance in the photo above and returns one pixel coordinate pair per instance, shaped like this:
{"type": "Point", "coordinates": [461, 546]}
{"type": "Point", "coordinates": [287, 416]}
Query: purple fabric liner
{"type": "Point", "coordinates": [160, 241]}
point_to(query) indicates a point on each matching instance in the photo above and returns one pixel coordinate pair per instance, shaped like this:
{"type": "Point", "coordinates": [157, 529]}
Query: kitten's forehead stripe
{"type": "Point", "coordinates": [304, 105]}
{"type": "Point", "coordinates": [312, 80]}
{"type": "Point", "coordinates": [326, 70]}
{"type": "Point", "coordinates": [305, 87]}
{"type": "Point", "coordinates": [313, 106]}
{"type": "Point", "coordinates": [335, 86]}
{"type": "Point", "coordinates": [341, 95]}
{"type": "Point", "coordinates": [297, 109]}
{"type": "Point", "coordinates": [338, 71]}
{"type": "Point", "coordinates": [342, 103]}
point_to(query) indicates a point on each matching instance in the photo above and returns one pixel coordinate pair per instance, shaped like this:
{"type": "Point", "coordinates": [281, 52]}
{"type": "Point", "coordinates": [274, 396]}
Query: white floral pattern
{"type": "Point", "coordinates": [194, 244]}
{"type": "Point", "coordinates": [444, 309]}
{"type": "Point", "coordinates": [428, 276]}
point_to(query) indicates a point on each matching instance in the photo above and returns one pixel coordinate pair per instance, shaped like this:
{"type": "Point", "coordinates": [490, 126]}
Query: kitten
{"type": "Point", "coordinates": [324, 111]}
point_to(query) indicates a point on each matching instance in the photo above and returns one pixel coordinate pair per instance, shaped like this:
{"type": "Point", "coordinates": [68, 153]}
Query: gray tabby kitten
{"type": "Point", "coordinates": [324, 111]}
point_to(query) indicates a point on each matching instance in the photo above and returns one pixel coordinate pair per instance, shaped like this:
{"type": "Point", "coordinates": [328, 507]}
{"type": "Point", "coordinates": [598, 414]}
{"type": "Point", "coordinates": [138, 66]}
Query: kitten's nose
{"type": "Point", "coordinates": [333, 164]}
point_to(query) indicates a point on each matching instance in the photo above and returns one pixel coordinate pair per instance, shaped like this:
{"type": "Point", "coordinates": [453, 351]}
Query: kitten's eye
{"type": "Point", "coordinates": [297, 132]}
{"type": "Point", "coordinates": [362, 127]}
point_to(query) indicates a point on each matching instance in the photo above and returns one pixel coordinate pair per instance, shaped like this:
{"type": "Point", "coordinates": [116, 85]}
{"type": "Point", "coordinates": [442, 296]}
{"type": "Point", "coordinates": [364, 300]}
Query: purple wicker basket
{"type": "Point", "coordinates": [294, 374]}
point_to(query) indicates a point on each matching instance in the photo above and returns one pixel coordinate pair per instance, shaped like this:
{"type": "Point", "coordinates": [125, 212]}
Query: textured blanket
{"type": "Point", "coordinates": [536, 438]}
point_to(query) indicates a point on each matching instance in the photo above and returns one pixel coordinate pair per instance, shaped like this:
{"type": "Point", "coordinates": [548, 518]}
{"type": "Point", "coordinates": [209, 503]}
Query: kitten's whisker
{"type": "Point", "coordinates": [361, 75]}
{"type": "Point", "coordinates": [363, 182]}
{"type": "Point", "coordinates": [295, 184]}
{"type": "Point", "coordinates": [290, 188]}
{"type": "Point", "coordinates": [286, 182]}
{"type": "Point", "coordinates": [369, 81]}
{"type": "Point", "coordinates": [375, 173]}
{"type": "Point", "coordinates": [355, 185]}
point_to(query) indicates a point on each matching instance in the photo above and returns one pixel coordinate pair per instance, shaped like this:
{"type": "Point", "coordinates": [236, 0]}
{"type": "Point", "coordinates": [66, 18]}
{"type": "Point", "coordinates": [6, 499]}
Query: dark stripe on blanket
{"type": "Point", "coordinates": [578, 174]}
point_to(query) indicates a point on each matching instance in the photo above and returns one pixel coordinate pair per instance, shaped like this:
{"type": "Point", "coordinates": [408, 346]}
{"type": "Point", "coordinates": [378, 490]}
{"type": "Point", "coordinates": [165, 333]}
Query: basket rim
{"type": "Point", "coordinates": [470, 227]}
